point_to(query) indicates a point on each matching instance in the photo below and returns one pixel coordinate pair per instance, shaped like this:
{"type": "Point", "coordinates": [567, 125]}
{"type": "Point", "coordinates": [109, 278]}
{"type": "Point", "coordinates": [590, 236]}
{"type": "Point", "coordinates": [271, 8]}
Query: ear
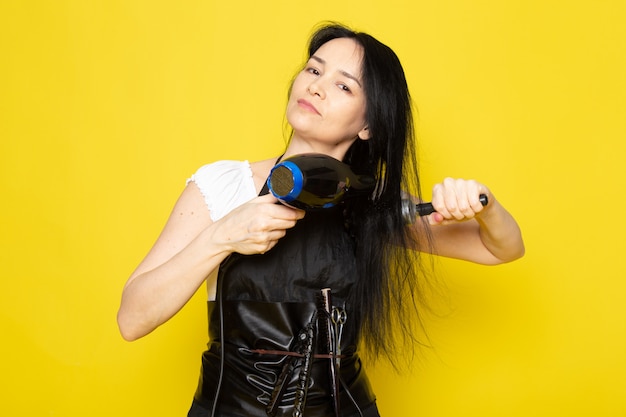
{"type": "Point", "coordinates": [364, 134]}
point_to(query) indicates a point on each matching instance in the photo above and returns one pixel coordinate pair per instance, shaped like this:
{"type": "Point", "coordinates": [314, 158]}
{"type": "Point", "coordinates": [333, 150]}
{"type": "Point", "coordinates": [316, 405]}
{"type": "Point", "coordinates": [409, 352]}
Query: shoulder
{"type": "Point", "coordinates": [261, 170]}
{"type": "Point", "coordinates": [224, 185]}
{"type": "Point", "coordinates": [222, 170]}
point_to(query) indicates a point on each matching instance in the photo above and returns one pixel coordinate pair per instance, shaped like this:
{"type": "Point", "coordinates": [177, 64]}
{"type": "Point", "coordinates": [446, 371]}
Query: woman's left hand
{"type": "Point", "coordinates": [457, 200]}
{"type": "Point", "coordinates": [487, 235]}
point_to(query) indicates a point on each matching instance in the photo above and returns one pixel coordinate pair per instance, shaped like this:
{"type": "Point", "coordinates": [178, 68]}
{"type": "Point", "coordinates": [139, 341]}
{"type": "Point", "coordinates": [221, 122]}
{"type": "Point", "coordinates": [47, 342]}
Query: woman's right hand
{"type": "Point", "coordinates": [255, 227]}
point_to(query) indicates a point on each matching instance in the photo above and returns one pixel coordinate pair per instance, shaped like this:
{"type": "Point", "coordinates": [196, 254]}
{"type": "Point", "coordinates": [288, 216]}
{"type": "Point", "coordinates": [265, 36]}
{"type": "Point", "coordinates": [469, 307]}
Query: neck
{"type": "Point", "coordinates": [298, 146]}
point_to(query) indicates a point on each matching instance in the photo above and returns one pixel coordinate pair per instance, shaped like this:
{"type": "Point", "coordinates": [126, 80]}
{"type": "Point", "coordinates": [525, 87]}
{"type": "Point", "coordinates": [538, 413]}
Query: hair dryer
{"type": "Point", "coordinates": [315, 181]}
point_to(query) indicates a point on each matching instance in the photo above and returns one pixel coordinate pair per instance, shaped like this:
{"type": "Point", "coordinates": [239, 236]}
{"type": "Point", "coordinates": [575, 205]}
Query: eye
{"type": "Point", "coordinates": [345, 88]}
{"type": "Point", "coordinates": [312, 70]}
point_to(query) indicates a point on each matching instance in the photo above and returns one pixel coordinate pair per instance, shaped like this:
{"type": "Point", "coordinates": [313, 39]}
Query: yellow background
{"type": "Point", "coordinates": [106, 107]}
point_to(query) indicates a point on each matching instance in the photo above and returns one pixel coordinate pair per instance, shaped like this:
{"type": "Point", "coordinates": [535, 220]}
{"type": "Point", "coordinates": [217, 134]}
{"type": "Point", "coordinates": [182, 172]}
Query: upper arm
{"type": "Point", "coordinates": [188, 218]}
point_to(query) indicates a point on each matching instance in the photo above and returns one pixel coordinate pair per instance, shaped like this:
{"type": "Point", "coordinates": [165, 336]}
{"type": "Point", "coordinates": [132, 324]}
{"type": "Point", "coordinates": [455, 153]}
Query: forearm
{"type": "Point", "coordinates": [500, 233]}
{"type": "Point", "coordinates": [152, 297]}
{"type": "Point", "coordinates": [179, 263]}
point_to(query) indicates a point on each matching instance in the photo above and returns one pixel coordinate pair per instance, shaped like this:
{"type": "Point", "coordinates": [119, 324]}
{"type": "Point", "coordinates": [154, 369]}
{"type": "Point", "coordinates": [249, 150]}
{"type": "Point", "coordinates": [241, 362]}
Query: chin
{"type": "Point", "coordinates": [298, 123]}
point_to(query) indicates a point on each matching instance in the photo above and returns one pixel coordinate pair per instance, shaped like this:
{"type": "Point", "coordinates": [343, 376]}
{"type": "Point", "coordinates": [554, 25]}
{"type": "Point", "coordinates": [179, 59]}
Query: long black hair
{"type": "Point", "coordinates": [388, 293]}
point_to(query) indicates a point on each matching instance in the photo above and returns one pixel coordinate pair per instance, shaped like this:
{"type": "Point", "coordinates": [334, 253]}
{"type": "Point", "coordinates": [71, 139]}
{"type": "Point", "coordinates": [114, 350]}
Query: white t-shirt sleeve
{"type": "Point", "coordinates": [225, 185]}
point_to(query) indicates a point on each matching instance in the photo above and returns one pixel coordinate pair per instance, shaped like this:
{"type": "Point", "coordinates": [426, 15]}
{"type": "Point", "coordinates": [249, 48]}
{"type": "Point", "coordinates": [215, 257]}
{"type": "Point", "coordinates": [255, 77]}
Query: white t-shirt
{"type": "Point", "coordinates": [225, 185]}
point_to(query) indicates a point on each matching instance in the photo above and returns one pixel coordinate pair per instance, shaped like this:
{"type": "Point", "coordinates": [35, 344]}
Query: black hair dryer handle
{"type": "Point", "coordinates": [410, 210]}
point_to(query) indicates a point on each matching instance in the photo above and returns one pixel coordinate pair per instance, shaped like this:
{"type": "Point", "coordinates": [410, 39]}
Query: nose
{"type": "Point", "coordinates": [316, 89]}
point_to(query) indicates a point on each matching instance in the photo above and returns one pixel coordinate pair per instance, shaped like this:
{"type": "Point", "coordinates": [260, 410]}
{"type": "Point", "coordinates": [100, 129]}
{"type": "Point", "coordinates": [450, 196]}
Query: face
{"type": "Point", "coordinates": [326, 107]}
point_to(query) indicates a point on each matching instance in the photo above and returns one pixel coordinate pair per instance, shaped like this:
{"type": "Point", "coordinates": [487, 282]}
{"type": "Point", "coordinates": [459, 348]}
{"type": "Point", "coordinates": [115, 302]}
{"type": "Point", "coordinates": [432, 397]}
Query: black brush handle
{"type": "Point", "coordinates": [424, 209]}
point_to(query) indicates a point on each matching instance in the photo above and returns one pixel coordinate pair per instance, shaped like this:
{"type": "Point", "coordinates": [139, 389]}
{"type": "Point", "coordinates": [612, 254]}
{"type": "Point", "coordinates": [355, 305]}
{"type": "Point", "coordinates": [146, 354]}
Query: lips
{"type": "Point", "coordinates": [307, 106]}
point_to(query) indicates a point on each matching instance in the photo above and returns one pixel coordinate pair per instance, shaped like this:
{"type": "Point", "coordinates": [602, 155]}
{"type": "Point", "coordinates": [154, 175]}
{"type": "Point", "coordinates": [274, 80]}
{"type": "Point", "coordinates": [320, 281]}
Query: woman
{"type": "Point", "coordinates": [292, 294]}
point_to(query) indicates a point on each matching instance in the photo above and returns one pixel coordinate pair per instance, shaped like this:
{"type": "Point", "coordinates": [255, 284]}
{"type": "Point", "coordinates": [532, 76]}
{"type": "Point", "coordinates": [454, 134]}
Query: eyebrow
{"type": "Point", "coordinates": [344, 73]}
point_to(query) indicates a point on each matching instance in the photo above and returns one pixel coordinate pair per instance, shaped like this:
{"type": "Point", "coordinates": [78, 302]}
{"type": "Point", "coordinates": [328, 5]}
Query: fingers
{"type": "Point", "coordinates": [260, 242]}
{"type": "Point", "coordinates": [278, 210]}
{"type": "Point", "coordinates": [456, 200]}
{"type": "Point", "coordinates": [257, 226]}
